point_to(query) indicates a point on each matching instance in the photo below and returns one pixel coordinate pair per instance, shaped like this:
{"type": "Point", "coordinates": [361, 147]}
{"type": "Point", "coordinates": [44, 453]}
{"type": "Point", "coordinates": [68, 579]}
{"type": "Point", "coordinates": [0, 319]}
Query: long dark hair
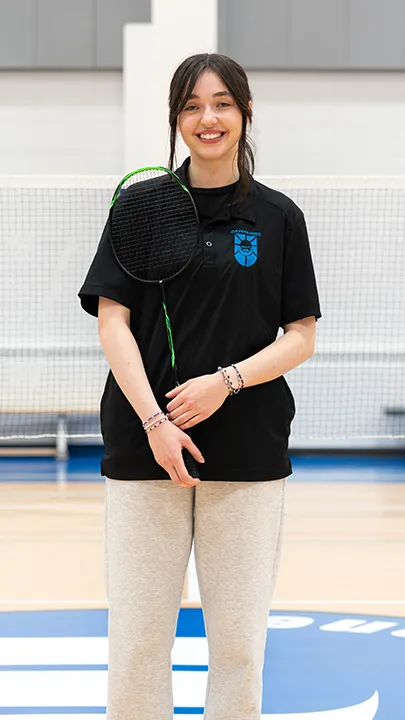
{"type": "Point", "coordinates": [235, 79]}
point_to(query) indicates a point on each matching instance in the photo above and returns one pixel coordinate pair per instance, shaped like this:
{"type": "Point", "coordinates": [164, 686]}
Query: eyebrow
{"type": "Point", "coordinates": [221, 93]}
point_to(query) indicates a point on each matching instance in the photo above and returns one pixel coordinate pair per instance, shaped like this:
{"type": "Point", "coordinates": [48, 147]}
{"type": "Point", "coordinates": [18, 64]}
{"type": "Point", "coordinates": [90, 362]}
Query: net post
{"type": "Point", "coordinates": [62, 452]}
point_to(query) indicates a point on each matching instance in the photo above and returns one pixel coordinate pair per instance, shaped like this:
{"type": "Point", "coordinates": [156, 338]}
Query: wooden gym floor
{"type": "Point", "coordinates": [344, 547]}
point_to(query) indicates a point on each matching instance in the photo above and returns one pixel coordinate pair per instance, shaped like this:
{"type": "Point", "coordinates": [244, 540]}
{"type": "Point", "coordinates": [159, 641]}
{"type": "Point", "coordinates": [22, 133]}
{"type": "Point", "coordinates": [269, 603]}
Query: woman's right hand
{"type": "Point", "coordinates": [166, 442]}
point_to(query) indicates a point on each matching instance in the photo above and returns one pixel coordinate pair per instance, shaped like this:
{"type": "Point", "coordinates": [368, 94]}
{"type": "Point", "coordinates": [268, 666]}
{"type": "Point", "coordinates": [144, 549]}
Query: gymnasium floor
{"type": "Point", "coordinates": [336, 639]}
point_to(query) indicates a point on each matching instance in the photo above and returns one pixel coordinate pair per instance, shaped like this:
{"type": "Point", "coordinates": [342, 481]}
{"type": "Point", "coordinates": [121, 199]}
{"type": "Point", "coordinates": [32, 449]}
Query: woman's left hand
{"type": "Point", "coordinates": [195, 400]}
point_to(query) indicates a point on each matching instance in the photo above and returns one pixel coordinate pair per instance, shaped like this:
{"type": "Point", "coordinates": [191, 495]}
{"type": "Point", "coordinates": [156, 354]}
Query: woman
{"type": "Point", "coordinates": [252, 274]}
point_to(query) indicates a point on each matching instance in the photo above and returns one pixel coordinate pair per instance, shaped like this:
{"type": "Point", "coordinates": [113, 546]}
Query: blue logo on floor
{"type": "Point", "coordinates": [317, 665]}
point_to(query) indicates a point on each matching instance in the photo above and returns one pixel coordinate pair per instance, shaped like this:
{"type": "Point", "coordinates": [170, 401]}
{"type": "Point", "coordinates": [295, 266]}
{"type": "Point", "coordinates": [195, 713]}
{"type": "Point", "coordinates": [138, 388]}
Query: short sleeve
{"type": "Point", "coordinates": [300, 297]}
{"type": "Point", "coordinates": [105, 278]}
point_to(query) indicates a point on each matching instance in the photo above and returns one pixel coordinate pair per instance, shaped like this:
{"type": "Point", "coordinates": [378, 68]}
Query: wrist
{"type": "Point", "coordinates": [219, 380]}
{"type": "Point", "coordinates": [159, 428]}
{"type": "Point", "coordinates": [156, 419]}
{"type": "Point", "coordinates": [232, 375]}
{"type": "Point", "coordinates": [232, 378]}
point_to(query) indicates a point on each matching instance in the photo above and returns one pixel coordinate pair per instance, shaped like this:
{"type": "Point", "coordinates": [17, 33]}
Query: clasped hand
{"type": "Point", "coordinates": [195, 400]}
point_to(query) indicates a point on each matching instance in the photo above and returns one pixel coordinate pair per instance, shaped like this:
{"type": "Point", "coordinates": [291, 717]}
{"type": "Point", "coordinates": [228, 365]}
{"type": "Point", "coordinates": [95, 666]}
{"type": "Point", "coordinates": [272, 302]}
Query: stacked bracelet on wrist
{"type": "Point", "coordinates": [228, 382]}
{"type": "Point", "coordinates": [154, 421]}
{"type": "Point", "coordinates": [241, 384]}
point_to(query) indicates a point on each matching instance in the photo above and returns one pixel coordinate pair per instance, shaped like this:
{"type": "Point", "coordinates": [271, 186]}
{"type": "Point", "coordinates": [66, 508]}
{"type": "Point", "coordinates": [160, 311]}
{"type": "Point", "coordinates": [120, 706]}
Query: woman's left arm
{"type": "Point", "coordinates": [198, 398]}
{"type": "Point", "coordinates": [287, 352]}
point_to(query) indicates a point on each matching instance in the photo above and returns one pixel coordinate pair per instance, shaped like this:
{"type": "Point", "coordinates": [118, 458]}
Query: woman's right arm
{"type": "Point", "coordinates": [125, 361]}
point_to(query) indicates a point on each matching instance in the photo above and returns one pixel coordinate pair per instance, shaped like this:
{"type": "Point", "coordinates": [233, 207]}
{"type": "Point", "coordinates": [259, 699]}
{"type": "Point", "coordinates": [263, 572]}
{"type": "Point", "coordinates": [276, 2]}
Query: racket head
{"type": "Point", "coordinates": [154, 224]}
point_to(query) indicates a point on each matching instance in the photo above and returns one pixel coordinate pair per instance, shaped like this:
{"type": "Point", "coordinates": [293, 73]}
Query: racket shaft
{"type": "Point", "coordinates": [189, 461]}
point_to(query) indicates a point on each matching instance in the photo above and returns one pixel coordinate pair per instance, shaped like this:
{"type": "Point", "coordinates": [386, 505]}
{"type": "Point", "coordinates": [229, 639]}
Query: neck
{"type": "Point", "coordinates": [212, 174]}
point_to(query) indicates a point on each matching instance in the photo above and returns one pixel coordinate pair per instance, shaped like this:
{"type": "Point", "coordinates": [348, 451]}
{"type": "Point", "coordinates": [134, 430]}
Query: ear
{"type": "Point", "coordinates": [250, 104]}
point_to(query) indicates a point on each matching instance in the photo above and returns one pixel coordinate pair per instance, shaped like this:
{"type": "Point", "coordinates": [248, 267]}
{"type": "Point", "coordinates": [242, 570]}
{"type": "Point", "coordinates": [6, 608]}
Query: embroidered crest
{"type": "Point", "coordinates": [245, 247]}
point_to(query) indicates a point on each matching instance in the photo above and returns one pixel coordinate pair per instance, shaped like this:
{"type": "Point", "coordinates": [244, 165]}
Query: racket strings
{"type": "Point", "coordinates": [154, 227]}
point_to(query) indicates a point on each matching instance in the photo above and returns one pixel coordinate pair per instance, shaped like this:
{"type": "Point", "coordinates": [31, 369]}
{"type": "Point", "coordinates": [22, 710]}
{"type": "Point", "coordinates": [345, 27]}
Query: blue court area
{"type": "Point", "coordinates": [83, 466]}
{"type": "Point", "coordinates": [318, 666]}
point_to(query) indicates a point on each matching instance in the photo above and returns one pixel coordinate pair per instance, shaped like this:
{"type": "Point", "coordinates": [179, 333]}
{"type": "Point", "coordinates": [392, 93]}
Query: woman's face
{"type": "Point", "coordinates": [211, 122]}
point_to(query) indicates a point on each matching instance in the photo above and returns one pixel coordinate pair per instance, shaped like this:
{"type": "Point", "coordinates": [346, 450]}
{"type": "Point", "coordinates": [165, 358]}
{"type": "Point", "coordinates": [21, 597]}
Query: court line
{"type": "Point", "coordinates": [339, 602]}
{"type": "Point", "coordinates": [67, 507]}
{"type": "Point", "coordinates": [90, 603]}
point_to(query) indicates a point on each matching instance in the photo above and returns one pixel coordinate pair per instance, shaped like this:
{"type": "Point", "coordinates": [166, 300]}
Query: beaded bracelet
{"type": "Point", "coordinates": [227, 379]}
{"type": "Point", "coordinates": [156, 424]}
{"type": "Point", "coordinates": [241, 384]}
{"type": "Point", "coordinates": [144, 424]}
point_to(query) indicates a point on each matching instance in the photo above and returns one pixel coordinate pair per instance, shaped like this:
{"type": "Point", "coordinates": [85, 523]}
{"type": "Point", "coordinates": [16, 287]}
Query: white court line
{"type": "Point", "coordinates": [339, 602]}
{"type": "Point", "coordinates": [365, 711]}
{"type": "Point", "coordinates": [88, 503]}
{"type": "Point", "coordinates": [70, 717]}
{"type": "Point", "coordinates": [84, 506]}
{"type": "Point", "coordinates": [75, 688]}
{"type": "Point", "coordinates": [90, 603]}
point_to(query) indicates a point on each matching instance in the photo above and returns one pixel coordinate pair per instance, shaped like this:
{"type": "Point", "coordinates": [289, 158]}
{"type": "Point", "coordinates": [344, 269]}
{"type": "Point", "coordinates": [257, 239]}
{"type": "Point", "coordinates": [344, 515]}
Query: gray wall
{"type": "Point", "coordinates": [261, 34]}
{"type": "Point", "coordinates": [66, 34]}
{"type": "Point", "coordinates": [314, 34]}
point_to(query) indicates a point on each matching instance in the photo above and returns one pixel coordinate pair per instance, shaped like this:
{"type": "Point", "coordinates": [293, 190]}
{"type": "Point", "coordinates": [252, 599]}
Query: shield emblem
{"type": "Point", "coordinates": [245, 247]}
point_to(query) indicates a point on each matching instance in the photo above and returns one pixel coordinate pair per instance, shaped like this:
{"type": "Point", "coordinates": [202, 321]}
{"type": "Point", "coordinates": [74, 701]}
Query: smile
{"type": "Point", "coordinates": [211, 137]}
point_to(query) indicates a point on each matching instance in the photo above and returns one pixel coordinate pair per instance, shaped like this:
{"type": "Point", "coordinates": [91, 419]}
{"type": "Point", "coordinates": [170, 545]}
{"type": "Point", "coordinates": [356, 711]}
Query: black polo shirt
{"type": "Point", "coordinates": [251, 275]}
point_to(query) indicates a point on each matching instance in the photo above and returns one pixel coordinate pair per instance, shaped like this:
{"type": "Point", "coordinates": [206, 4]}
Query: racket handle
{"type": "Point", "coordinates": [190, 464]}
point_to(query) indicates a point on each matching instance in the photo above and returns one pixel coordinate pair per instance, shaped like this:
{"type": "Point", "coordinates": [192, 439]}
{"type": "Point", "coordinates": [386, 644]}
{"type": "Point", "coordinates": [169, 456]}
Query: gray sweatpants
{"type": "Point", "coordinates": [150, 526]}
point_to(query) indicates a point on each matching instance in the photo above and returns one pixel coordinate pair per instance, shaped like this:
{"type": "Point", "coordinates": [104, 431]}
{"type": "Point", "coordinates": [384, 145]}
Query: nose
{"type": "Point", "coordinates": [209, 118]}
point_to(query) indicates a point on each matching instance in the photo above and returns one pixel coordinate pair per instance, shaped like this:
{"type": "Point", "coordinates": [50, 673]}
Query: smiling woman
{"type": "Point", "coordinates": [211, 106]}
{"type": "Point", "coordinates": [251, 274]}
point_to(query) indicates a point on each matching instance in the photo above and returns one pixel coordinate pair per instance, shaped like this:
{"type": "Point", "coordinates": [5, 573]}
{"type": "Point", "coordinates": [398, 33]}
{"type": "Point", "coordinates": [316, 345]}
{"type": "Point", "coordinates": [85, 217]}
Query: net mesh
{"type": "Point", "coordinates": [52, 366]}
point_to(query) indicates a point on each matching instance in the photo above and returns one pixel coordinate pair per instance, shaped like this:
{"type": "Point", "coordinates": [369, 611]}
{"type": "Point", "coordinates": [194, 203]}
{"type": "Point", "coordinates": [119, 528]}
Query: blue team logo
{"type": "Point", "coordinates": [318, 666]}
{"type": "Point", "coordinates": [245, 247]}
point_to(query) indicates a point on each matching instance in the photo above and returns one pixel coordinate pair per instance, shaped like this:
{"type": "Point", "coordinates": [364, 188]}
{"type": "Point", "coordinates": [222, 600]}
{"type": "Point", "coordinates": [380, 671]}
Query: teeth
{"type": "Point", "coordinates": [211, 137]}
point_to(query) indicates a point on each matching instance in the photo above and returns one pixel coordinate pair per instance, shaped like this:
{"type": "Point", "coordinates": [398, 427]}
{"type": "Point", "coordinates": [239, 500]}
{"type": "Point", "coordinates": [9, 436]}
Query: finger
{"type": "Point", "coordinates": [175, 478]}
{"type": "Point", "coordinates": [185, 418]}
{"type": "Point", "coordinates": [175, 403]}
{"type": "Point", "coordinates": [191, 423]}
{"type": "Point", "coordinates": [173, 393]}
{"type": "Point", "coordinates": [193, 449]}
{"type": "Point", "coordinates": [177, 389]}
{"type": "Point", "coordinates": [182, 415]}
{"type": "Point", "coordinates": [183, 478]}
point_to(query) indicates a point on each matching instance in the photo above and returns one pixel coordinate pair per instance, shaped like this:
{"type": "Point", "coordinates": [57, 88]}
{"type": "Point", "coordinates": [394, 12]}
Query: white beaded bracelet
{"type": "Point", "coordinates": [154, 425]}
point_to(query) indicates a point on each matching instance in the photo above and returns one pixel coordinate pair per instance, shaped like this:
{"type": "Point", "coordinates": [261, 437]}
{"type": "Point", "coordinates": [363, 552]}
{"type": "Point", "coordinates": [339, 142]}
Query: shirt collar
{"type": "Point", "coordinates": [245, 209]}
